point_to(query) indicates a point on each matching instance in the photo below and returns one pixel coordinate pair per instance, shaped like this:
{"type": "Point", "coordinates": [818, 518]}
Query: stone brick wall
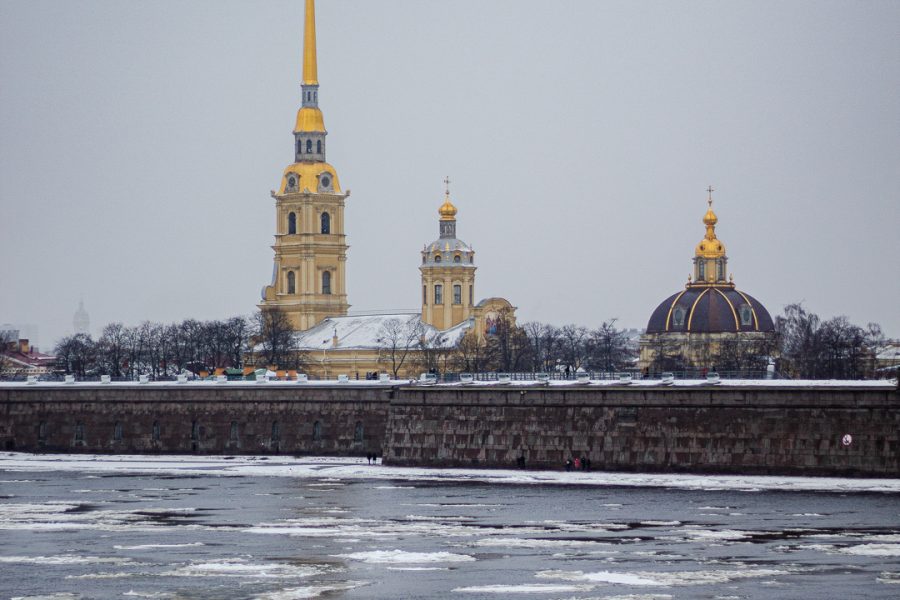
{"type": "Point", "coordinates": [703, 429]}
{"type": "Point", "coordinates": [739, 430]}
{"type": "Point", "coordinates": [190, 419]}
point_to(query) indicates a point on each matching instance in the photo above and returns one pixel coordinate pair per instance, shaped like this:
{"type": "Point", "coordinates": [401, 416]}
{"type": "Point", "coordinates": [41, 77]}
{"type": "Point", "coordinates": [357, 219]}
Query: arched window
{"type": "Point", "coordinates": [358, 432]}
{"type": "Point", "coordinates": [471, 295]}
{"type": "Point", "coordinates": [319, 147]}
{"type": "Point", "coordinates": [326, 282]}
{"type": "Point", "coordinates": [678, 316]}
{"type": "Point", "coordinates": [276, 431]}
{"type": "Point", "coordinates": [235, 434]}
{"type": "Point", "coordinates": [79, 432]}
{"type": "Point", "coordinates": [156, 431]}
{"type": "Point", "coordinates": [424, 294]}
{"type": "Point", "coordinates": [195, 431]}
{"type": "Point", "coordinates": [720, 268]}
{"type": "Point", "coordinates": [457, 258]}
{"type": "Point", "coordinates": [746, 315]}
{"type": "Point", "coordinates": [701, 266]}
{"type": "Point", "coordinates": [317, 431]}
{"type": "Point", "coordinates": [437, 258]}
{"type": "Point", "coordinates": [309, 146]}
{"type": "Point", "coordinates": [326, 223]}
{"type": "Point", "coordinates": [299, 146]}
{"type": "Point", "coordinates": [292, 223]}
{"type": "Point", "coordinates": [117, 432]}
{"type": "Point", "coordinates": [457, 294]}
{"type": "Point", "coordinates": [438, 294]}
{"type": "Point", "coordinates": [291, 283]}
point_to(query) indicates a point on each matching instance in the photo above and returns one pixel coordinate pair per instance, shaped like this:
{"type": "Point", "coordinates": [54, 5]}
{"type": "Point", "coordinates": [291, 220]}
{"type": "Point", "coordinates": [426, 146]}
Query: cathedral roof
{"type": "Point", "coordinates": [365, 332]}
{"type": "Point", "coordinates": [710, 309]}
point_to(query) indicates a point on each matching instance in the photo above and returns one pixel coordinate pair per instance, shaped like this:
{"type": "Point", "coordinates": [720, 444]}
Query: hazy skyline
{"type": "Point", "coordinates": [140, 142]}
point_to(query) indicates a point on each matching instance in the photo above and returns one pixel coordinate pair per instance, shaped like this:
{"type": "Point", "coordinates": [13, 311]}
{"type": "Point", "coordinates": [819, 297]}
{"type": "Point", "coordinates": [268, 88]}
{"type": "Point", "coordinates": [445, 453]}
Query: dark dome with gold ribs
{"type": "Point", "coordinates": [710, 309]}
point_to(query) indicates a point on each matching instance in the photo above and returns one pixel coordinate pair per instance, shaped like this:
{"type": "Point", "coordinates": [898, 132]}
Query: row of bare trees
{"type": "Point", "coordinates": [532, 347]}
{"type": "Point", "coordinates": [812, 348]}
{"type": "Point", "coordinates": [157, 349]}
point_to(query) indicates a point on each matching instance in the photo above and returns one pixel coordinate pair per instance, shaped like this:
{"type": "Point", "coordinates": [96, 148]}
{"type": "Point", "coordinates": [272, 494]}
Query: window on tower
{"type": "Point", "coordinates": [326, 282]}
{"type": "Point", "coordinates": [438, 294]}
{"type": "Point", "coordinates": [471, 295]}
{"type": "Point", "coordinates": [424, 294]}
{"type": "Point", "coordinates": [319, 147]}
{"type": "Point", "coordinates": [291, 283]}
{"type": "Point", "coordinates": [701, 266]}
{"type": "Point", "coordinates": [309, 146]}
{"type": "Point", "coordinates": [326, 223]}
{"type": "Point", "coordinates": [292, 223]}
{"type": "Point", "coordinates": [457, 294]}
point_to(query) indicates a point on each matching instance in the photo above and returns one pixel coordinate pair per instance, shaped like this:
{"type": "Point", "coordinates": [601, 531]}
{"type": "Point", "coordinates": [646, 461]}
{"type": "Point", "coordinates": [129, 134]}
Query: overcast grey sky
{"type": "Point", "coordinates": [139, 142]}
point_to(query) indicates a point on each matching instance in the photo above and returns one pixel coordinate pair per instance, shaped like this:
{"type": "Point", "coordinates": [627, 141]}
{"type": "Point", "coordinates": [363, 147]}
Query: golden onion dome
{"type": "Point", "coordinates": [309, 119]}
{"type": "Point", "coordinates": [447, 210]}
{"type": "Point", "coordinates": [710, 246]}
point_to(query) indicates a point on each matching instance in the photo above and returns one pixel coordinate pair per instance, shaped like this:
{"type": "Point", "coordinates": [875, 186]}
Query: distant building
{"type": "Point", "coordinates": [309, 277]}
{"type": "Point", "coordinates": [81, 322]}
{"type": "Point", "coordinates": [710, 323]}
{"type": "Point", "coordinates": [19, 359]}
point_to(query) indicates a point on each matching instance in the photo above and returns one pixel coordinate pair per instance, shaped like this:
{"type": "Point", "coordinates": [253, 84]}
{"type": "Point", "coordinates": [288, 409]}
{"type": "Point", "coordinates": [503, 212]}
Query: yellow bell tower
{"type": "Point", "coordinates": [448, 273]}
{"type": "Point", "coordinates": [308, 281]}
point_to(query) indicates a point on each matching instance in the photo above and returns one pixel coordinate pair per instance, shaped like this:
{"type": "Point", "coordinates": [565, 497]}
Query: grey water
{"type": "Point", "coordinates": [67, 535]}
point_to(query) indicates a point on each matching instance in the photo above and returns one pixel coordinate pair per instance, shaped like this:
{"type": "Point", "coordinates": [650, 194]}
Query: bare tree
{"type": "Point", "coordinates": [574, 345]}
{"type": "Point", "coordinates": [513, 348]}
{"type": "Point", "coordinates": [112, 349]}
{"type": "Point", "coordinates": [276, 339]}
{"type": "Point", "coordinates": [77, 354]}
{"type": "Point", "coordinates": [474, 353]}
{"type": "Point", "coordinates": [397, 340]}
{"type": "Point", "coordinates": [608, 348]}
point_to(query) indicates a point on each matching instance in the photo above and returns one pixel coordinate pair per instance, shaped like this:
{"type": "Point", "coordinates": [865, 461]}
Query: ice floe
{"type": "Point", "coordinates": [240, 568]}
{"type": "Point", "coordinates": [525, 588]}
{"type": "Point", "coordinates": [66, 559]}
{"type": "Point", "coordinates": [309, 591]}
{"type": "Point", "coordinates": [403, 557]}
{"type": "Point", "coordinates": [661, 578]}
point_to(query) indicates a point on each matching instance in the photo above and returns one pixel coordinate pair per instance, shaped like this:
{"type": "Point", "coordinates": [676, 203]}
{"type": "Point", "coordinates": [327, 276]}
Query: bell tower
{"type": "Point", "coordinates": [448, 273]}
{"type": "Point", "coordinates": [309, 274]}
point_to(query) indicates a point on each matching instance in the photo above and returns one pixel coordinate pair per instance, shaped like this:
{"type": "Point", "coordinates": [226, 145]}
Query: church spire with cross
{"type": "Point", "coordinates": [710, 261]}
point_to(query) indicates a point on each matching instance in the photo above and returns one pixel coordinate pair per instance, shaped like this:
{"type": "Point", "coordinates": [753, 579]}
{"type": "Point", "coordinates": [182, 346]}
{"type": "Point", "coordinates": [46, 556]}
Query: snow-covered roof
{"type": "Point", "coordinates": [366, 332]}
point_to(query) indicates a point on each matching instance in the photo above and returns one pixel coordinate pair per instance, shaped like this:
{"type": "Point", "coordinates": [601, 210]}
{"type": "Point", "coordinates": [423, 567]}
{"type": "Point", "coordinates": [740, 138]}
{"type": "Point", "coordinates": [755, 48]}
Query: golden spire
{"type": "Point", "coordinates": [447, 210]}
{"type": "Point", "coordinates": [310, 73]}
{"type": "Point", "coordinates": [710, 246]}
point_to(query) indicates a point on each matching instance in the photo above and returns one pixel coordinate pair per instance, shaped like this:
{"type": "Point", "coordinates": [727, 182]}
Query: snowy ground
{"type": "Point", "coordinates": [355, 468]}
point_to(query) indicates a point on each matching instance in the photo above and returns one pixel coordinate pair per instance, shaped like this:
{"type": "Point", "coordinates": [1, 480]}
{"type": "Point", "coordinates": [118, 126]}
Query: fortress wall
{"type": "Point", "coordinates": [738, 430]}
{"type": "Point", "coordinates": [194, 419]}
{"type": "Point", "coordinates": [724, 429]}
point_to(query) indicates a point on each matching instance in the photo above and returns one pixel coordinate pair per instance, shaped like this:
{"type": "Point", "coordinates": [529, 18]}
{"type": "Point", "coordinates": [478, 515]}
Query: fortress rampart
{"type": "Point", "coordinates": [729, 428]}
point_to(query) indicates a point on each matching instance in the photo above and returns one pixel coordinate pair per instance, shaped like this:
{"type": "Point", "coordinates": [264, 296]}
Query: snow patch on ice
{"type": "Point", "coordinates": [155, 546]}
{"type": "Point", "coordinates": [660, 578]}
{"type": "Point", "coordinates": [347, 468]}
{"type": "Point", "coordinates": [402, 557]}
{"type": "Point", "coordinates": [873, 550]}
{"type": "Point", "coordinates": [511, 542]}
{"type": "Point", "coordinates": [310, 591]}
{"type": "Point", "coordinates": [65, 559]}
{"type": "Point", "coordinates": [525, 588]}
{"type": "Point", "coordinates": [240, 568]}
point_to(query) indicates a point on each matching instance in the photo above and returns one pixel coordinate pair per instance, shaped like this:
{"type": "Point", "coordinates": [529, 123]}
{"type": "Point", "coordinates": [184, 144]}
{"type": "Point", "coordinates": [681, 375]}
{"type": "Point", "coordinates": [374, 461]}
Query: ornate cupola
{"type": "Point", "coordinates": [710, 262]}
{"type": "Point", "coordinates": [309, 277]}
{"type": "Point", "coordinates": [448, 273]}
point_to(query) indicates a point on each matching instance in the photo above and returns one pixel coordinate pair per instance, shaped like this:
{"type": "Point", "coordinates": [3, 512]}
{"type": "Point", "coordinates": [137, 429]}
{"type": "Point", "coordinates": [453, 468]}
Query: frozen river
{"type": "Point", "coordinates": [282, 528]}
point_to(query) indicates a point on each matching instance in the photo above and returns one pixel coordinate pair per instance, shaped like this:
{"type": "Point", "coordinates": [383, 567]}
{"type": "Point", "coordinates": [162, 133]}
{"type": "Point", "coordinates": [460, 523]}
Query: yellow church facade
{"type": "Point", "coordinates": [309, 272]}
